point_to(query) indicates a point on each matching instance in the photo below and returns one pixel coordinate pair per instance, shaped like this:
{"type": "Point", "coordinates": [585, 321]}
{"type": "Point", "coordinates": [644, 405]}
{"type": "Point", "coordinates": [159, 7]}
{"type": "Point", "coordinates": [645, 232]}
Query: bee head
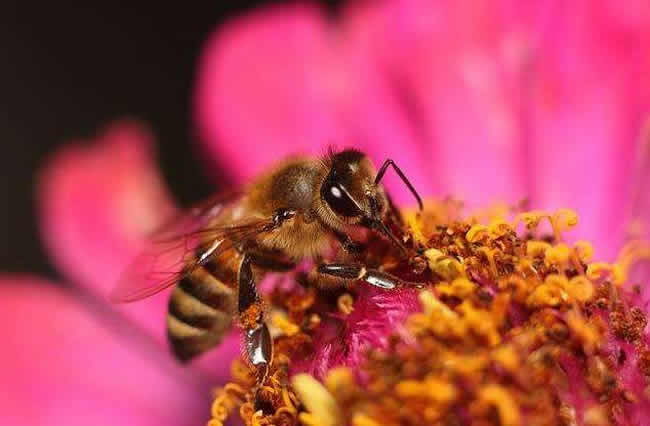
{"type": "Point", "coordinates": [352, 194]}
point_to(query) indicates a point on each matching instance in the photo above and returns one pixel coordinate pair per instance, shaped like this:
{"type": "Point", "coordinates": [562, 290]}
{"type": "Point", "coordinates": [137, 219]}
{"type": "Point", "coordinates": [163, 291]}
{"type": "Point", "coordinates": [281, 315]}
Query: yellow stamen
{"type": "Point", "coordinates": [476, 233]}
{"type": "Point", "coordinates": [499, 397]}
{"type": "Point", "coordinates": [584, 251]}
{"type": "Point", "coordinates": [363, 420]}
{"type": "Point", "coordinates": [323, 409]}
{"type": "Point", "coordinates": [280, 321]}
{"type": "Point", "coordinates": [345, 303]}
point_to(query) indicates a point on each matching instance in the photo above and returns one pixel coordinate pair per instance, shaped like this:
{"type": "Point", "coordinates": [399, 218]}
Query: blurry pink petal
{"type": "Point", "coordinates": [282, 80]}
{"type": "Point", "coordinates": [462, 70]}
{"type": "Point", "coordinates": [61, 366]}
{"type": "Point", "coordinates": [97, 204]}
{"type": "Point", "coordinates": [586, 120]}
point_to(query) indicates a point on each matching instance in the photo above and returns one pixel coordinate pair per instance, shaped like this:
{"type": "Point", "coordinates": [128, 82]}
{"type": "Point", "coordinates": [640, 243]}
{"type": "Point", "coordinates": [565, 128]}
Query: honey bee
{"type": "Point", "coordinates": [217, 252]}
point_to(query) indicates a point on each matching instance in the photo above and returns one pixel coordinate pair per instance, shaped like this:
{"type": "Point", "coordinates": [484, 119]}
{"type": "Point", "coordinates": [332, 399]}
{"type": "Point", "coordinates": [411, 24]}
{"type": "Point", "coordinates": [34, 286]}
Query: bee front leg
{"type": "Point", "coordinates": [355, 272]}
{"type": "Point", "coordinates": [257, 339]}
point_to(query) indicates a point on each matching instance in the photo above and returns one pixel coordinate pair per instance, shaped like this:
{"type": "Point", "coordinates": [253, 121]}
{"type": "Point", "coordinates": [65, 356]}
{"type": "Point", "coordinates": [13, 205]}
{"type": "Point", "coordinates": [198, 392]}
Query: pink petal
{"type": "Point", "coordinates": [282, 80]}
{"type": "Point", "coordinates": [586, 120]}
{"type": "Point", "coordinates": [342, 340]}
{"type": "Point", "coordinates": [98, 200]}
{"type": "Point", "coordinates": [97, 203]}
{"type": "Point", "coordinates": [462, 69]}
{"type": "Point", "coordinates": [62, 366]}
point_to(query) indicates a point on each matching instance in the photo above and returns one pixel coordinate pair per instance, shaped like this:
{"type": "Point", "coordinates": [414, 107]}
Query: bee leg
{"type": "Point", "coordinates": [257, 339]}
{"type": "Point", "coordinates": [359, 272]}
{"type": "Point", "coordinates": [348, 244]}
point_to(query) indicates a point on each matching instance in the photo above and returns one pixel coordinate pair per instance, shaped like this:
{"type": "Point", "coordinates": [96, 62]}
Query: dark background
{"type": "Point", "coordinates": [67, 69]}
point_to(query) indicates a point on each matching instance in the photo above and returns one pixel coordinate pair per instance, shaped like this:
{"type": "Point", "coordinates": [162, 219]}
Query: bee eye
{"type": "Point", "coordinates": [338, 200]}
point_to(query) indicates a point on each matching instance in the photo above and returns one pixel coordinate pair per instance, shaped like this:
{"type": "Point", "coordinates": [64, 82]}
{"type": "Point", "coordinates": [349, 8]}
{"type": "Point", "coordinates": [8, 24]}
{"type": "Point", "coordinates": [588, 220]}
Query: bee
{"type": "Point", "coordinates": [216, 252]}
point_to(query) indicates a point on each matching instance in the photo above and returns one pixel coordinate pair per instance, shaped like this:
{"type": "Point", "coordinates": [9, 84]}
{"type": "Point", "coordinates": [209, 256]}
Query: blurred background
{"type": "Point", "coordinates": [68, 68]}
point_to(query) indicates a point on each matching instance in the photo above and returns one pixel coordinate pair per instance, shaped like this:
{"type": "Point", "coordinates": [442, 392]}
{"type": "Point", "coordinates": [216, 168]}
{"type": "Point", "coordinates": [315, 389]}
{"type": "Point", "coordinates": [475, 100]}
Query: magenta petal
{"type": "Point", "coordinates": [259, 93]}
{"type": "Point", "coordinates": [97, 202]}
{"type": "Point", "coordinates": [282, 80]}
{"type": "Point", "coordinates": [61, 366]}
{"type": "Point", "coordinates": [586, 121]}
{"type": "Point", "coordinates": [459, 69]}
{"type": "Point", "coordinates": [342, 340]}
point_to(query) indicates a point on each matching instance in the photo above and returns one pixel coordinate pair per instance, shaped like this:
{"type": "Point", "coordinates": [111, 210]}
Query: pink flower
{"type": "Point", "coordinates": [484, 101]}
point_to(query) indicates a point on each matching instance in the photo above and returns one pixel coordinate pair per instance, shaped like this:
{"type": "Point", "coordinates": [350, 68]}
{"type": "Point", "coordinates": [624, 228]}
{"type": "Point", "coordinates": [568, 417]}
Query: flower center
{"type": "Point", "coordinates": [514, 326]}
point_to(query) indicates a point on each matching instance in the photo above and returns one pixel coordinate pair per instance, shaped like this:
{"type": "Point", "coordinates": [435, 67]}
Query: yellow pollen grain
{"type": "Point", "coordinates": [339, 378]}
{"type": "Point", "coordinates": [599, 270]}
{"type": "Point", "coordinates": [565, 219]}
{"type": "Point", "coordinates": [345, 303]}
{"type": "Point", "coordinates": [521, 288]}
{"type": "Point", "coordinates": [546, 295]}
{"type": "Point", "coordinates": [499, 397]}
{"type": "Point", "coordinates": [536, 248]}
{"type": "Point", "coordinates": [255, 420]}
{"type": "Point", "coordinates": [557, 255]}
{"type": "Point", "coordinates": [432, 306]}
{"type": "Point", "coordinates": [489, 255]}
{"type": "Point", "coordinates": [287, 400]}
{"type": "Point", "coordinates": [467, 366]}
{"type": "Point", "coordinates": [584, 250]}
{"type": "Point", "coordinates": [436, 318]}
{"type": "Point", "coordinates": [507, 357]}
{"type": "Point", "coordinates": [363, 420]}
{"type": "Point", "coordinates": [585, 332]}
{"type": "Point", "coordinates": [476, 233]}
{"type": "Point", "coordinates": [413, 223]}
{"type": "Point", "coordinates": [226, 400]}
{"type": "Point", "coordinates": [460, 287]}
{"type": "Point", "coordinates": [580, 289]}
{"type": "Point", "coordinates": [322, 407]}
{"type": "Point", "coordinates": [596, 416]}
{"type": "Point", "coordinates": [282, 323]}
{"type": "Point", "coordinates": [531, 219]}
{"type": "Point", "coordinates": [499, 228]}
{"type": "Point", "coordinates": [480, 322]}
{"type": "Point", "coordinates": [443, 265]}
{"type": "Point", "coordinates": [436, 390]}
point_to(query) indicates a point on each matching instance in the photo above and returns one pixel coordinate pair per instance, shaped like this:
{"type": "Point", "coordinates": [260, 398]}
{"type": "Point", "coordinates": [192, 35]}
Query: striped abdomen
{"type": "Point", "coordinates": [202, 306]}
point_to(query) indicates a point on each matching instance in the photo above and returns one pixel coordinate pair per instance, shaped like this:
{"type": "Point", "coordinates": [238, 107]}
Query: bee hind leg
{"type": "Point", "coordinates": [258, 344]}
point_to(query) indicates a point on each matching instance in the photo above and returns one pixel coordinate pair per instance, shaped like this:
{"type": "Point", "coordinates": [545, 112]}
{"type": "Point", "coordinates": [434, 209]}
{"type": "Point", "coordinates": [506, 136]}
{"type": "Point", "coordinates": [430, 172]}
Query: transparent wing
{"type": "Point", "coordinates": [181, 245]}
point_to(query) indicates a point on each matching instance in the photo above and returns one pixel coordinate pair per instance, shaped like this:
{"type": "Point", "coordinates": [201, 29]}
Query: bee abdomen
{"type": "Point", "coordinates": [190, 310]}
{"type": "Point", "coordinates": [201, 309]}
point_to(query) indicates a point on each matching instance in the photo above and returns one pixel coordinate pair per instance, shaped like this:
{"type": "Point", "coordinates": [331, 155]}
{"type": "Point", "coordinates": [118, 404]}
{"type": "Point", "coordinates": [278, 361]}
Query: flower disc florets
{"type": "Point", "coordinates": [514, 327]}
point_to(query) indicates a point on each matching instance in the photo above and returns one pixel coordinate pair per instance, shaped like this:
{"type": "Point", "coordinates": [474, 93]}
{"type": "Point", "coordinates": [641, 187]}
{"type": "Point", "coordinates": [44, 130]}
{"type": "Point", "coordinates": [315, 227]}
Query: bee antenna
{"type": "Point", "coordinates": [382, 171]}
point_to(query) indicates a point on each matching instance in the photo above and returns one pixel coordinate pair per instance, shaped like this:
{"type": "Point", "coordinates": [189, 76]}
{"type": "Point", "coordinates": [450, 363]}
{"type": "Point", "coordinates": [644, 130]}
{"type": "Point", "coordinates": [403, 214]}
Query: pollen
{"type": "Point", "coordinates": [283, 324]}
{"type": "Point", "coordinates": [445, 266]}
{"type": "Point", "coordinates": [584, 250]}
{"type": "Point", "coordinates": [322, 408]}
{"type": "Point", "coordinates": [345, 303]}
{"type": "Point", "coordinates": [513, 325]}
{"type": "Point", "coordinates": [498, 397]}
{"type": "Point", "coordinates": [558, 255]}
{"type": "Point", "coordinates": [460, 288]}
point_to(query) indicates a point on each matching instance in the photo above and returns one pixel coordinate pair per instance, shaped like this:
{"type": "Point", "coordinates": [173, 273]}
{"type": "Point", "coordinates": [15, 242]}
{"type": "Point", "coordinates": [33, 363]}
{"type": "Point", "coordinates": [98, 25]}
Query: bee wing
{"type": "Point", "coordinates": [178, 247]}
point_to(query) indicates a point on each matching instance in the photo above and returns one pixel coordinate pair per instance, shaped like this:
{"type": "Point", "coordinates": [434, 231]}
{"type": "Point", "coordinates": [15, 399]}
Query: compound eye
{"type": "Point", "coordinates": [339, 201]}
